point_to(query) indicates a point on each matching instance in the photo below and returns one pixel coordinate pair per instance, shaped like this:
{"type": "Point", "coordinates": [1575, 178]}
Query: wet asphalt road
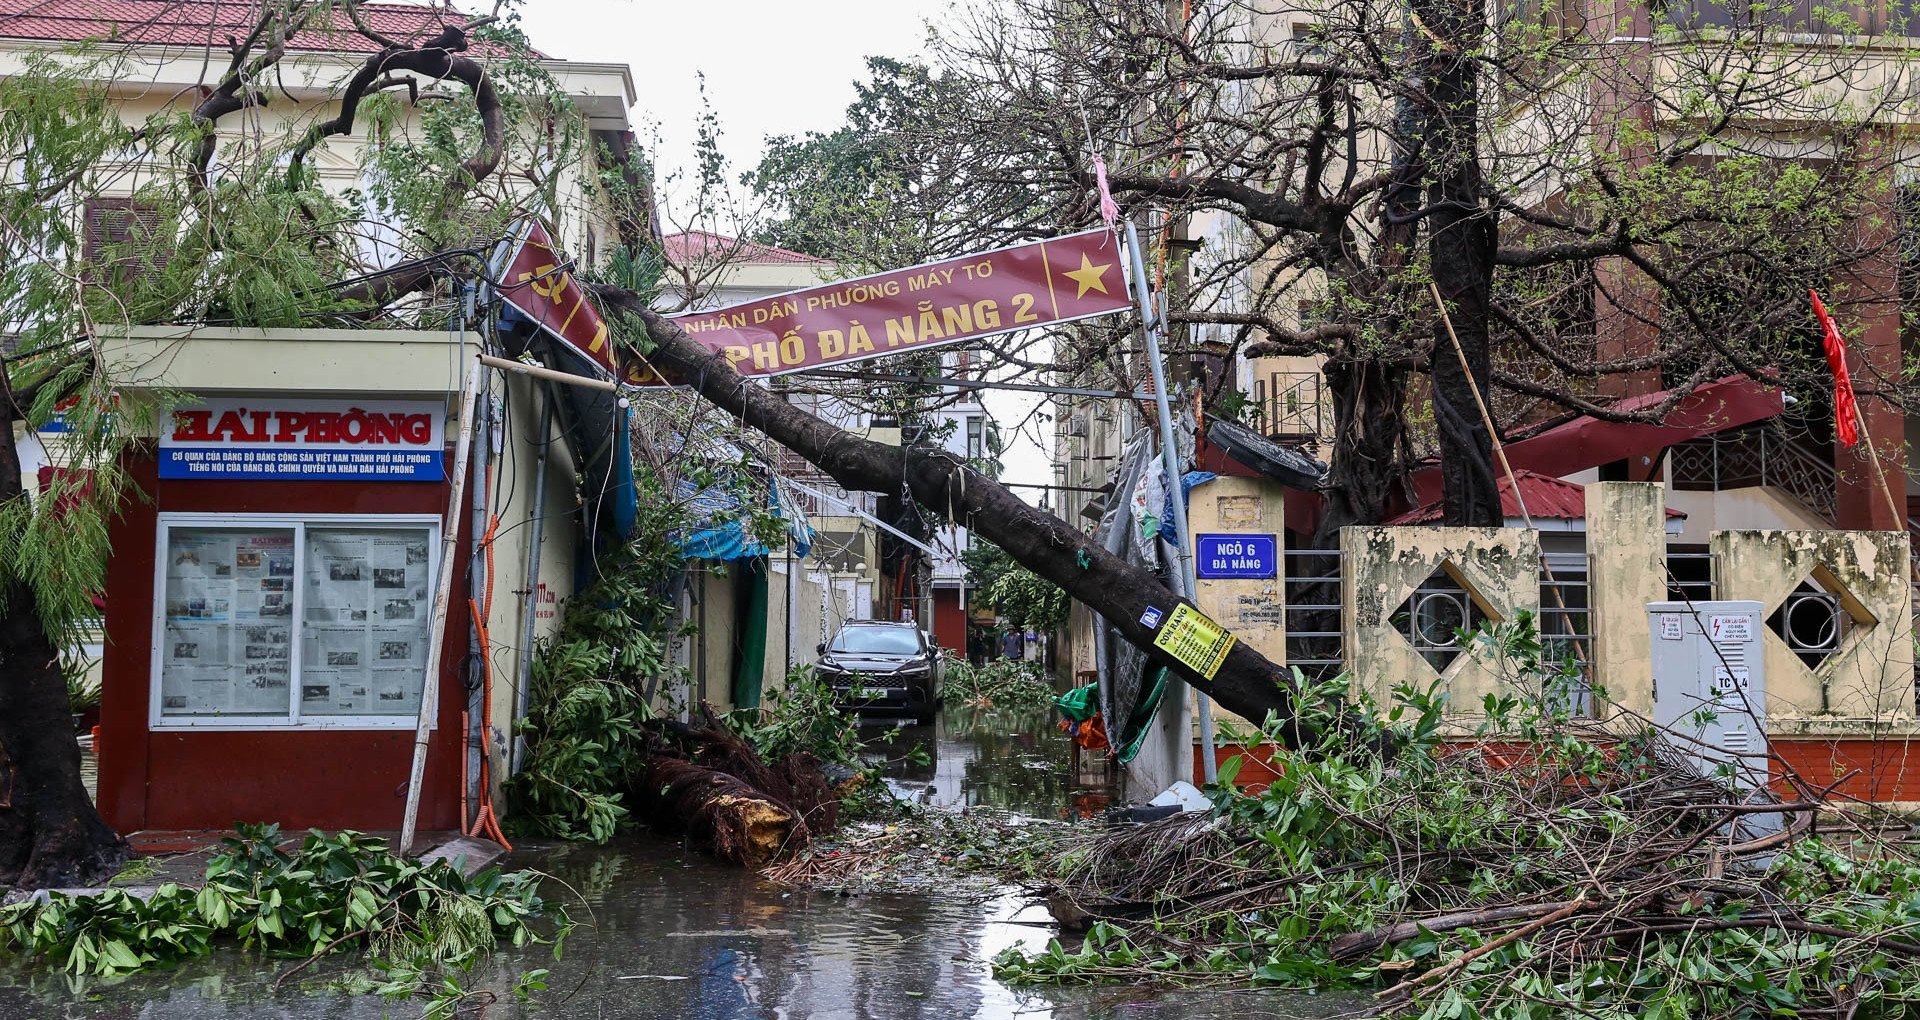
{"type": "Point", "coordinates": [669, 934]}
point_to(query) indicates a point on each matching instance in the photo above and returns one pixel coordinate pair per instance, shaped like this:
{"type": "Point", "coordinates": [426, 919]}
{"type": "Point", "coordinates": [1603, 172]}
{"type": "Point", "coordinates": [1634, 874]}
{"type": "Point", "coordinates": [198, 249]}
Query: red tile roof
{"type": "Point", "coordinates": [701, 246]}
{"type": "Point", "coordinates": [1548, 499]}
{"type": "Point", "coordinates": [200, 23]}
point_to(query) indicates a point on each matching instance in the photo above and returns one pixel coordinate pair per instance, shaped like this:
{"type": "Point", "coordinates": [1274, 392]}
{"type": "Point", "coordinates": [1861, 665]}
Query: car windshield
{"type": "Point", "coordinates": [877, 641]}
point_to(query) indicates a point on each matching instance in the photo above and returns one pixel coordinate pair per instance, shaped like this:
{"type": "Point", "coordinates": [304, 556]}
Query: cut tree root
{"type": "Point", "coordinates": [721, 814]}
{"type": "Point", "coordinates": [702, 779]}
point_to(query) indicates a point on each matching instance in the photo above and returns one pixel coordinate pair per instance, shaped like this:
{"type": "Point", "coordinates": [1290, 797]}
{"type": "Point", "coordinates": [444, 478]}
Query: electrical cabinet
{"type": "Point", "coordinates": [1709, 686]}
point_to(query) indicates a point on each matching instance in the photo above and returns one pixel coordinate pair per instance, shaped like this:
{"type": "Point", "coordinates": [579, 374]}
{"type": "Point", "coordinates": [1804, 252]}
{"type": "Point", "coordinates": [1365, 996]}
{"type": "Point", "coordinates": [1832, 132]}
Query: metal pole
{"type": "Point", "coordinates": [442, 598]}
{"type": "Point", "coordinates": [789, 612]}
{"type": "Point", "coordinates": [1170, 462]}
{"type": "Point", "coordinates": [530, 606]}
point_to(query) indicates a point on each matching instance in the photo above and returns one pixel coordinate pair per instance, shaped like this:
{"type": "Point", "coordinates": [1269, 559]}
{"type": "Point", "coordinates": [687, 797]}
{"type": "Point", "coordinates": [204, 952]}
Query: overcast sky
{"type": "Point", "coordinates": [771, 68]}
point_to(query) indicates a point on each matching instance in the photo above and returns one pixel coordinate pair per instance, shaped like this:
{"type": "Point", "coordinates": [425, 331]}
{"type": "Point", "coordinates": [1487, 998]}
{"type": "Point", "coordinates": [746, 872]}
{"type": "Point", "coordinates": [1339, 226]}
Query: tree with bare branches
{"type": "Point", "coordinates": [1608, 200]}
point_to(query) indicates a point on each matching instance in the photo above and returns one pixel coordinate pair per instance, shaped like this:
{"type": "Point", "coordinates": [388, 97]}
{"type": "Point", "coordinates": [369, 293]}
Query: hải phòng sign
{"type": "Point", "coordinates": [310, 440]}
{"type": "Point", "coordinates": [1022, 287]}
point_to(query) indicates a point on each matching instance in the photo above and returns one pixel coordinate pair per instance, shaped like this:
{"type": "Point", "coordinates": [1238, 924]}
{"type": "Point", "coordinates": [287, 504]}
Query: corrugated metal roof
{"type": "Point", "coordinates": [208, 23]}
{"type": "Point", "coordinates": [1547, 498]}
{"type": "Point", "coordinates": [703, 246]}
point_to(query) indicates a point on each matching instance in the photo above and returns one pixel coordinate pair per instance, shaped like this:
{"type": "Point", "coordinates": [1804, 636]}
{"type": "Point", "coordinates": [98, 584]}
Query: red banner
{"type": "Point", "coordinates": [1846, 413]}
{"type": "Point", "coordinates": [534, 280]}
{"type": "Point", "coordinates": [1022, 287]}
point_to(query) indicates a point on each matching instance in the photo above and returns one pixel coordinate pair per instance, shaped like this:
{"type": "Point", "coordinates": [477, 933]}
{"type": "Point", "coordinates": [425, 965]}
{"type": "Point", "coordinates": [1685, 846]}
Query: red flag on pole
{"type": "Point", "coordinates": [1846, 412]}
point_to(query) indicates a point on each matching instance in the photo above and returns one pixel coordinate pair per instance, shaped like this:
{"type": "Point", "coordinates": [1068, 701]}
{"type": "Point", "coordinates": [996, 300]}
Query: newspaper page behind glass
{"type": "Point", "coordinates": [228, 637]}
{"type": "Point", "coordinates": [364, 647]}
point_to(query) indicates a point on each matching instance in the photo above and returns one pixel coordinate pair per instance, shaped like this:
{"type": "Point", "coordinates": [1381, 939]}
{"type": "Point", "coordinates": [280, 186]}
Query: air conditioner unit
{"type": "Point", "coordinates": [1709, 688]}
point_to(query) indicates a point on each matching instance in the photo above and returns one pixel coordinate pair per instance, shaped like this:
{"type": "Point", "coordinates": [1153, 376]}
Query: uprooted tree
{"type": "Point", "coordinates": [1247, 683]}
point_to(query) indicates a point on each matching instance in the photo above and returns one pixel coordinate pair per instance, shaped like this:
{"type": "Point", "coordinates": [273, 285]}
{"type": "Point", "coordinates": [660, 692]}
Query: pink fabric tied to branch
{"type": "Point", "coordinates": [1109, 209]}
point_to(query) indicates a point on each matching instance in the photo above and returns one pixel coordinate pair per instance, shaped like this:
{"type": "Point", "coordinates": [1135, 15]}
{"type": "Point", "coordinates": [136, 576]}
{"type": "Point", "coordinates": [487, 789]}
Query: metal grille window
{"type": "Point", "coordinates": [1433, 616]}
{"type": "Point", "coordinates": [1811, 621]}
{"type": "Point", "coordinates": [1566, 632]}
{"type": "Point", "coordinates": [1313, 642]}
{"type": "Point", "coordinates": [1689, 573]}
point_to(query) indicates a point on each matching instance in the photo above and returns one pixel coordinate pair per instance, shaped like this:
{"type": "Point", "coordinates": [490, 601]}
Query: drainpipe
{"type": "Point", "coordinates": [530, 606]}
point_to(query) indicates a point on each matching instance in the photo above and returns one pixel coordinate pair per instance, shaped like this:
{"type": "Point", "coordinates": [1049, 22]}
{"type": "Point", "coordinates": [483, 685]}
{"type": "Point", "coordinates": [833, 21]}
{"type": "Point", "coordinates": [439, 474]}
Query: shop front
{"type": "Point", "coordinates": [270, 606]}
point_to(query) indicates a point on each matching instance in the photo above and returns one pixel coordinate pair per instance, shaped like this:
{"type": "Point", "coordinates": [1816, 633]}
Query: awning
{"type": "Point", "coordinates": [1587, 442]}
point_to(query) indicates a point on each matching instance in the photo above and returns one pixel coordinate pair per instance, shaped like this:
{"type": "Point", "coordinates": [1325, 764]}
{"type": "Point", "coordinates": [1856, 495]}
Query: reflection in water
{"type": "Point", "coordinates": [1003, 758]}
{"type": "Point", "coordinates": [670, 934]}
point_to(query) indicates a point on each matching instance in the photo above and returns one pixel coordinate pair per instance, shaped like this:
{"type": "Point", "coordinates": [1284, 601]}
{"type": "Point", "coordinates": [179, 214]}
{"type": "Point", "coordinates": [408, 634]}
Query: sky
{"type": "Point", "coordinates": [771, 68]}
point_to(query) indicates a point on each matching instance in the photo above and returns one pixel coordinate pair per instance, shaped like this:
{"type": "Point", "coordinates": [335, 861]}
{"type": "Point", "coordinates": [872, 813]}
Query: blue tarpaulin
{"type": "Point", "coordinates": [1188, 482]}
{"type": "Point", "coordinates": [721, 534]}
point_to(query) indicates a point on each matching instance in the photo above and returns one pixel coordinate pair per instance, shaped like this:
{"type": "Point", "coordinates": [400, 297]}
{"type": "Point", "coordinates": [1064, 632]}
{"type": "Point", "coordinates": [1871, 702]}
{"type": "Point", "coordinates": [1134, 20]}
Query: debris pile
{"type": "Point", "coordinates": [977, 850]}
{"type": "Point", "coordinates": [1584, 875]}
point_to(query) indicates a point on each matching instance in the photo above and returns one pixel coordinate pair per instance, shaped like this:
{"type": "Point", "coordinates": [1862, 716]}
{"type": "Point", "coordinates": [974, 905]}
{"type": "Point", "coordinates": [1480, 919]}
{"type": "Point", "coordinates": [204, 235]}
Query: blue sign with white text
{"type": "Point", "coordinates": [1236, 556]}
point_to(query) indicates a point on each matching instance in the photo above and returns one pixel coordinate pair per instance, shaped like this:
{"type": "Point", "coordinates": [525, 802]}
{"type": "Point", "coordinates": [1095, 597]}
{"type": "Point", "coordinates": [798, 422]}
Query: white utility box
{"type": "Point", "coordinates": [1709, 686]}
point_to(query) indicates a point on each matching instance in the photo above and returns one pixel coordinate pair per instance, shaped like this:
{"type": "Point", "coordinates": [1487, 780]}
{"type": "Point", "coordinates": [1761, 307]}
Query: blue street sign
{"type": "Point", "coordinates": [1236, 556]}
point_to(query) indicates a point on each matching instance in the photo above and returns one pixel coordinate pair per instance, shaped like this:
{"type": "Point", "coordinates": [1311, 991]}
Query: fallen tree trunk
{"type": "Point", "coordinates": [1247, 682]}
{"type": "Point", "coordinates": [719, 813]}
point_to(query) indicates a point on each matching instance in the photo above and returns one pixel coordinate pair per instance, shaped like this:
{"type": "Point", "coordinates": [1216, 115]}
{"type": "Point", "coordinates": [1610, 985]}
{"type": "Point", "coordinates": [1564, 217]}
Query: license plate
{"type": "Point", "coordinates": [870, 692]}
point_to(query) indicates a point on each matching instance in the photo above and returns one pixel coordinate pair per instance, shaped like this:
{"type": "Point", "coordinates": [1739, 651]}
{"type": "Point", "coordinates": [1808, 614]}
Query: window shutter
{"type": "Point", "coordinates": [122, 239]}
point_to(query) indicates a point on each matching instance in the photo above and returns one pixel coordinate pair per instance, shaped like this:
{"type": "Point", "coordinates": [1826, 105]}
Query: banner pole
{"type": "Point", "coordinates": [442, 595]}
{"type": "Point", "coordinates": [1170, 463]}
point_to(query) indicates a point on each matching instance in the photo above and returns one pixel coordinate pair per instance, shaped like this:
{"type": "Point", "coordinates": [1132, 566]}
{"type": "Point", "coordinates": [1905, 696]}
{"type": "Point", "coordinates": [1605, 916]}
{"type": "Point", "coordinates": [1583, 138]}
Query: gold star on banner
{"type": "Point", "coordinates": [1089, 276]}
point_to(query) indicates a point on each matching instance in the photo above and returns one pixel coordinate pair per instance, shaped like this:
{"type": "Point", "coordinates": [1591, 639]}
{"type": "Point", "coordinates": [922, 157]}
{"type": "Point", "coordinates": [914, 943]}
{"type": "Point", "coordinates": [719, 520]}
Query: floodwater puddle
{"type": "Point", "coordinates": [669, 933]}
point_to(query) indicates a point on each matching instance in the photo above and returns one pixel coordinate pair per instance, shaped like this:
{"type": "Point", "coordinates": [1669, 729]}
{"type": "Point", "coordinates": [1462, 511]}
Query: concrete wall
{"type": "Point", "coordinates": [1254, 609]}
{"type": "Point", "coordinates": [1627, 568]}
{"type": "Point", "coordinates": [1499, 567]}
{"type": "Point", "coordinates": [1869, 680]}
{"type": "Point", "coordinates": [555, 518]}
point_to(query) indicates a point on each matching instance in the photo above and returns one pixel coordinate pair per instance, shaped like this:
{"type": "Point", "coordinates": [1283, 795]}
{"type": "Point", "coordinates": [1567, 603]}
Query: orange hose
{"type": "Point", "coordinates": [485, 821]}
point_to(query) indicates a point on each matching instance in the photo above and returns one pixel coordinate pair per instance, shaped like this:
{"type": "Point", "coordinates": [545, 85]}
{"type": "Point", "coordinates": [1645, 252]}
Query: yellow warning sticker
{"type": "Point", "coordinates": [1194, 641]}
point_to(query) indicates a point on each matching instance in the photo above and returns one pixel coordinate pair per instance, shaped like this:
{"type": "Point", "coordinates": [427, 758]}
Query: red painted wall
{"type": "Point", "coordinates": [949, 623]}
{"type": "Point", "coordinates": [320, 778]}
{"type": "Point", "coordinates": [1888, 770]}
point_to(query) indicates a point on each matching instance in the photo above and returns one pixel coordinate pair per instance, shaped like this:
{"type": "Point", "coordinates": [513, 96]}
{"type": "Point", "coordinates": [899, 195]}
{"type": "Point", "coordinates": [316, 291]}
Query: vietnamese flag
{"type": "Point", "coordinates": [1846, 412]}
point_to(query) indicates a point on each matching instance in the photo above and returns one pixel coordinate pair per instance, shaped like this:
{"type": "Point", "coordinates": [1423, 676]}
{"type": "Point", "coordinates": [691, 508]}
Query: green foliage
{"type": "Point", "coordinates": [802, 715]}
{"type": "Point", "coordinates": [1348, 840]}
{"type": "Point", "coordinates": [421, 922]}
{"type": "Point", "coordinates": [1000, 683]}
{"type": "Point", "coordinates": [1025, 598]}
{"type": "Point", "coordinates": [591, 681]}
{"type": "Point", "coordinates": [849, 194]}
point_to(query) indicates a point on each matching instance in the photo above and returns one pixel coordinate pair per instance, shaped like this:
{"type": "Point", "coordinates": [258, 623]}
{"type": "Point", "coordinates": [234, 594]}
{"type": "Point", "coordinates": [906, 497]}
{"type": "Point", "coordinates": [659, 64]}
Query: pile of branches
{"type": "Point", "coordinates": [1570, 872]}
{"type": "Point", "coordinates": [703, 780]}
{"type": "Point", "coordinates": [976, 851]}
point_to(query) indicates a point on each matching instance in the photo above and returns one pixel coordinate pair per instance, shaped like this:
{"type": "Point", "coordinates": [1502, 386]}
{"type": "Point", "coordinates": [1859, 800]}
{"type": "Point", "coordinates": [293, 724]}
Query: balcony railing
{"type": "Point", "coordinates": [1744, 458]}
{"type": "Point", "coordinates": [1291, 407]}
